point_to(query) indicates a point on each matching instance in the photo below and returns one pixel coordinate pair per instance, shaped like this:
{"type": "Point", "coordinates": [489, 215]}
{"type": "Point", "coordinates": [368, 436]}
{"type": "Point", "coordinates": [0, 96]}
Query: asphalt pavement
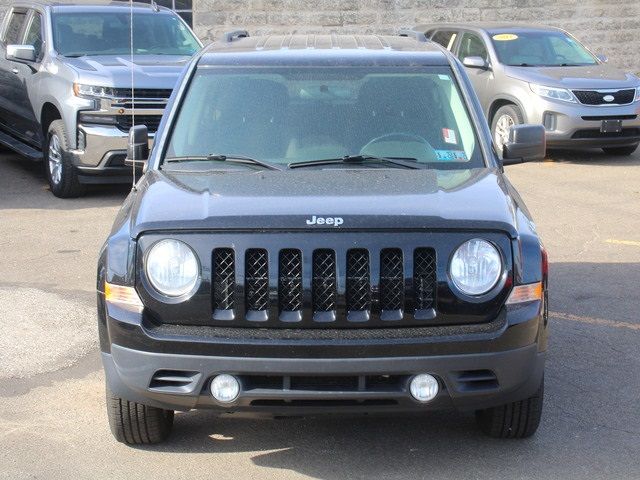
{"type": "Point", "coordinates": [52, 416]}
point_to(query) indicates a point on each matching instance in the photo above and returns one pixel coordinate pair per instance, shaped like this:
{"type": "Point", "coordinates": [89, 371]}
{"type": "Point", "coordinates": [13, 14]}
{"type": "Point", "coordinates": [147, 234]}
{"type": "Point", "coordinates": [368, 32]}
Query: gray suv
{"type": "Point", "coordinates": [65, 84]}
{"type": "Point", "coordinates": [544, 75]}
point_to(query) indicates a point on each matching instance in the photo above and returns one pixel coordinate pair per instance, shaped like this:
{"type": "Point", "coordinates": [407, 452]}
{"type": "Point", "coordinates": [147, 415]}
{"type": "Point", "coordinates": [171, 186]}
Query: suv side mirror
{"type": "Point", "coordinates": [527, 143]}
{"type": "Point", "coordinates": [602, 57]}
{"type": "Point", "coordinates": [21, 53]}
{"type": "Point", "coordinates": [138, 148]}
{"type": "Point", "coordinates": [475, 62]}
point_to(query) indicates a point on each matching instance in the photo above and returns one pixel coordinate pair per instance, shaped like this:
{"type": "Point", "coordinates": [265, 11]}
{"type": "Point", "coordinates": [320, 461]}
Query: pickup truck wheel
{"type": "Point", "coordinates": [506, 117]}
{"type": "Point", "coordinates": [62, 176]}
{"type": "Point", "coordinates": [620, 151]}
{"type": "Point", "coordinates": [136, 424]}
{"type": "Point", "coordinates": [513, 420]}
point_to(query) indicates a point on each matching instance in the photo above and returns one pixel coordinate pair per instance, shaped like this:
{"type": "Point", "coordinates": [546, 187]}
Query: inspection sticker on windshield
{"type": "Point", "coordinates": [505, 37]}
{"type": "Point", "coordinates": [451, 156]}
{"type": "Point", "coordinates": [449, 136]}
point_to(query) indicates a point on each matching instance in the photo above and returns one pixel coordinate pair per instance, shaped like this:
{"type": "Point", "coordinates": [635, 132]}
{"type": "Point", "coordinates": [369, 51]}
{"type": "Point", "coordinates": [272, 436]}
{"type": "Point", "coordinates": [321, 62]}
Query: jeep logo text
{"type": "Point", "coordinates": [335, 221]}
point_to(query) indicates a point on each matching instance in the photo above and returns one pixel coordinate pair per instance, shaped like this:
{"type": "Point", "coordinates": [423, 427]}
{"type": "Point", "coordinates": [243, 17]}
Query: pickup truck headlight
{"type": "Point", "coordinates": [476, 267]}
{"type": "Point", "coordinates": [553, 93]}
{"type": "Point", "coordinates": [92, 91]}
{"type": "Point", "coordinates": [172, 268]}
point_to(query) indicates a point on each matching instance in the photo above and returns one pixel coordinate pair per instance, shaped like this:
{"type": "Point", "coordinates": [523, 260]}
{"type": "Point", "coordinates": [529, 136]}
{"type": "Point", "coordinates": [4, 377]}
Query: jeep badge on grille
{"type": "Point", "coordinates": [335, 221]}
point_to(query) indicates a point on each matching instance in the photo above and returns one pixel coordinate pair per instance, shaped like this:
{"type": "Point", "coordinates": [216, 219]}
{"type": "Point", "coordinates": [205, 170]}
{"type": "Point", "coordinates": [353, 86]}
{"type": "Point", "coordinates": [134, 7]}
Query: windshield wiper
{"type": "Point", "coordinates": [216, 157]}
{"type": "Point", "coordinates": [355, 159]}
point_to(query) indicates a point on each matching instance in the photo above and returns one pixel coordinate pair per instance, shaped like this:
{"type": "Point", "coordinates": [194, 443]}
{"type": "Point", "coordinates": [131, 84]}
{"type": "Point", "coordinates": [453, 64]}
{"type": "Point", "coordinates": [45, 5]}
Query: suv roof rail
{"type": "Point", "coordinates": [418, 36]}
{"type": "Point", "coordinates": [234, 35]}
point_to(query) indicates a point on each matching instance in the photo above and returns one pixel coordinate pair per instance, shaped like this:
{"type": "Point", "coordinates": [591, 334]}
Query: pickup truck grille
{"type": "Point", "coordinates": [245, 291]}
{"type": "Point", "coordinates": [152, 122]}
{"type": "Point", "coordinates": [144, 93]}
{"type": "Point", "coordinates": [594, 97]}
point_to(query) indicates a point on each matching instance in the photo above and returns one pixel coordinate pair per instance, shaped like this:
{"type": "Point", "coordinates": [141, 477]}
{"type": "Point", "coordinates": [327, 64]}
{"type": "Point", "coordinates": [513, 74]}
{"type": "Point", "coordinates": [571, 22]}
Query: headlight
{"type": "Point", "coordinates": [475, 267]}
{"type": "Point", "coordinates": [92, 91]}
{"type": "Point", "coordinates": [553, 93]}
{"type": "Point", "coordinates": [172, 268]}
{"type": "Point", "coordinates": [637, 97]}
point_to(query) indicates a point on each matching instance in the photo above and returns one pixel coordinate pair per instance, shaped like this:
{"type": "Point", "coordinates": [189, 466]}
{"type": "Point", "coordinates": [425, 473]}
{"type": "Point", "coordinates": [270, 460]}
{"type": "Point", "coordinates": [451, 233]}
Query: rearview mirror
{"type": "Point", "coordinates": [603, 58]}
{"type": "Point", "coordinates": [21, 53]}
{"type": "Point", "coordinates": [138, 148]}
{"type": "Point", "coordinates": [475, 62]}
{"type": "Point", "coordinates": [527, 143]}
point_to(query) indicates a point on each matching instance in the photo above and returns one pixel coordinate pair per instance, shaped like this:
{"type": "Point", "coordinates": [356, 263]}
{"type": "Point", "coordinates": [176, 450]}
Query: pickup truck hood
{"type": "Point", "coordinates": [594, 77]}
{"type": "Point", "coordinates": [362, 198]}
{"type": "Point", "coordinates": [149, 71]}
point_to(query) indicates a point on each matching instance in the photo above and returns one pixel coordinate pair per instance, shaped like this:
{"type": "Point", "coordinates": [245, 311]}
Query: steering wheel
{"type": "Point", "coordinates": [396, 136]}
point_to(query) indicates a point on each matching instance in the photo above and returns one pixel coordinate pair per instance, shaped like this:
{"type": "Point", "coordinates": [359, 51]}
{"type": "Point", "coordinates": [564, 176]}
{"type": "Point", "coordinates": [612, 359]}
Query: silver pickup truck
{"type": "Point", "coordinates": [66, 74]}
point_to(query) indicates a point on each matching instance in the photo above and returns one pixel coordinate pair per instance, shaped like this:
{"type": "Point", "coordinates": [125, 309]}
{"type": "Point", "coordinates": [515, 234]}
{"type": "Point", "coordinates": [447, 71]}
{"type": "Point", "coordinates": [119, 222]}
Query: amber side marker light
{"type": "Point", "coordinates": [525, 293]}
{"type": "Point", "coordinates": [123, 297]}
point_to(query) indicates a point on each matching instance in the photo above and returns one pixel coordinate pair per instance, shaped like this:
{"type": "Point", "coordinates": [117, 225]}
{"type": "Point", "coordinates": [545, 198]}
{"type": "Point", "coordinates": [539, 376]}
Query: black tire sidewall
{"type": "Point", "coordinates": [69, 185]}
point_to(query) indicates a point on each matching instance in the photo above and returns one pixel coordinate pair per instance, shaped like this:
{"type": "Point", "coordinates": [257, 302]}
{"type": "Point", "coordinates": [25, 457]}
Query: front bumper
{"type": "Point", "coordinates": [578, 125]}
{"type": "Point", "coordinates": [102, 158]}
{"type": "Point", "coordinates": [477, 366]}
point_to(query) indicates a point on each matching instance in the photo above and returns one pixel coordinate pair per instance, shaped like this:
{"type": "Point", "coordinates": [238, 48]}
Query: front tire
{"type": "Point", "coordinates": [513, 420]}
{"type": "Point", "coordinates": [136, 424]}
{"type": "Point", "coordinates": [621, 151]}
{"type": "Point", "coordinates": [60, 172]}
{"type": "Point", "coordinates": [506, 117]}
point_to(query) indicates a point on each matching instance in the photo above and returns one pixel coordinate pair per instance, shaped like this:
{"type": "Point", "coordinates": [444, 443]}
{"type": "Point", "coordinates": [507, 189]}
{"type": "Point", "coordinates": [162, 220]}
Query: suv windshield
{"type": "Point", "coordinates": [77, 34]}
{"type": "Point", "coordinates": [540, 49]}
{"type": "Point", "coordinates": [286, 115]}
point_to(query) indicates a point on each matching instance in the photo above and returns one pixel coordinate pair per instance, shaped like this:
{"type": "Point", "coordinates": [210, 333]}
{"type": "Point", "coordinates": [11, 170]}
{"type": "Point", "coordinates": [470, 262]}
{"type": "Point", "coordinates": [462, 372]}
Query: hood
{"type": "Point", "coordinates": [598, 76]}
{"type": "Point", "coordinates": [149, 71]}
{"type": "Point", "coordinates": [289, 200]}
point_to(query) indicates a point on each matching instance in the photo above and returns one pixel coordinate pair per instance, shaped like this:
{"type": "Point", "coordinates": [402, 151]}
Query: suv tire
{"type": "Point", "coordinates": [60, 172]}
{"type": "Point", "coordinates": [621, 151]}
{"type": "Point", "coordinates": [136, 424]}
{"type": "Point", "coordinates": [503, 119]}
{"type": "Point", "coordinates": [513, 420]}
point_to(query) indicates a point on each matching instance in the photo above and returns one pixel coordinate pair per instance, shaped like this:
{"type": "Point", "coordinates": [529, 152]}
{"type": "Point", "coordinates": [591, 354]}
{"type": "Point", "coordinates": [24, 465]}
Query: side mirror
{"type": "Point", "coordinates": [527, 143]}
{"type": "Point", "coordinates": [603, 58]}
{"type": "Point", "coordinates": [21, 53]}
{"type": "Point", "coordinates": [475, 62]}
{"type": "Point", "coordinates": [138, 148]}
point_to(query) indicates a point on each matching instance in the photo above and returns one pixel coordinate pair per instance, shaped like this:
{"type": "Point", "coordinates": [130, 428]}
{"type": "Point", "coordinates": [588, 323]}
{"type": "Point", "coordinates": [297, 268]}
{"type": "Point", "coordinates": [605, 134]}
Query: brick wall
{"type": "Point", "coordinates": [606, 26]}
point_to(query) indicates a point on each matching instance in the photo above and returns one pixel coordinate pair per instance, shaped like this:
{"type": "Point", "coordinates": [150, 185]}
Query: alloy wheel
{"type": "Point", "coordinates": [55, 159]}
{"type": "Point", "coordinates": [501, 134]}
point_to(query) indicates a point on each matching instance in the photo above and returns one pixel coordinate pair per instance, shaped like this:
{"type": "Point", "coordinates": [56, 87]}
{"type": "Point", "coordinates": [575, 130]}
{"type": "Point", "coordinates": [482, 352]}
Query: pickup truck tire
{"type": "Point", "coordinates": [513, 420]}
{"type": "Point", "coordinates": [620, 151]}
{"type": "Point", "coordinates": [136, 424]}
{"type": "Point", "coordinates": [502, 121]}
{"type": "Point", "coordinates": [60, 172]}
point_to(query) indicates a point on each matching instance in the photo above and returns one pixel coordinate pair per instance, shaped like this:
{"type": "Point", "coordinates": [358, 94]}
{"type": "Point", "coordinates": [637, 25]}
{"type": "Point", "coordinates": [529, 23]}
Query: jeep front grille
{"type": "Point", "coordinates": [322, 288]}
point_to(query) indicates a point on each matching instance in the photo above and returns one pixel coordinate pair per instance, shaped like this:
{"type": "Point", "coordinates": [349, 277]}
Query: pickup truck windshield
{"type": "Point", "coordinates": [285, 115]}
{"type": "Point", "coordinates": [540, 49]}
{"type": "Point", "coordinates": [78, 34]}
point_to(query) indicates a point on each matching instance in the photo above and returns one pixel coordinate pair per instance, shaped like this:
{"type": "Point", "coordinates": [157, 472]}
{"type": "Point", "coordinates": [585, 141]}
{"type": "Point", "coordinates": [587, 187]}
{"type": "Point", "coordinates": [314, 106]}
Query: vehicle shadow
{"type": "Point", "coordinates": [590, 427]}
{"type": "Point", "coordinates": [23, 186]}
{"type": "Point", "coordinates": [592, 157]}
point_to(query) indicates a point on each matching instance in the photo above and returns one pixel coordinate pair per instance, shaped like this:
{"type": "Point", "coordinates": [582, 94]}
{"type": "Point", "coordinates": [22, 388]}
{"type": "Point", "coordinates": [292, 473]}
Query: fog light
{"type": "Point", "coordinates": [424, 387]}
{"type": "Point", "coordinates": [225, 388]}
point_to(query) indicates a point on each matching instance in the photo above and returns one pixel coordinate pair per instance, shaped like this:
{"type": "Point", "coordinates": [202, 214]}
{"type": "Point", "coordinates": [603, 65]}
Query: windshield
{"type": "Point", "coordinates": [285, 115]}
{"type": "Point", "coordinates": [540, 49]}
{"type": "Point", "coordinates": [108, 33]}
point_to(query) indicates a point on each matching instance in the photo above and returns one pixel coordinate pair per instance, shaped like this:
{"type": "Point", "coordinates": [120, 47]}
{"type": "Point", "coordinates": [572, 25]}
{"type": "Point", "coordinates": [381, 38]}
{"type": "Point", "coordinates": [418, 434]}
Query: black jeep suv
{"type": "Point", "coordinates": [324, 226]}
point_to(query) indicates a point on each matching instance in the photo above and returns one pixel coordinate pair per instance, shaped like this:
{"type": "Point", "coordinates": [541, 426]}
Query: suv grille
{"type": "Point", "coordinates": [593, 97]}
{"type": "Point", "coordinates": [358, 300]}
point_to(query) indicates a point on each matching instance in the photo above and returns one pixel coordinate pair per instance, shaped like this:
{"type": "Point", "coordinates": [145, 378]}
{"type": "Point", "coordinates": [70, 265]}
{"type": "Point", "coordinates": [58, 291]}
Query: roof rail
{"type": "Point", "coordinates": [418, 36]}
{"type": "Point", "coordinates": [234, 35]}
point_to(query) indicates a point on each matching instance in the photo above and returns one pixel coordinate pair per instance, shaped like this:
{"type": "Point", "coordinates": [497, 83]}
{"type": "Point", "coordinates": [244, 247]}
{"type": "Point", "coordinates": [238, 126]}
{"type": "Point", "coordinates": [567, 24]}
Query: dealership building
{"type": "Point", "coordinates": [611, 27]}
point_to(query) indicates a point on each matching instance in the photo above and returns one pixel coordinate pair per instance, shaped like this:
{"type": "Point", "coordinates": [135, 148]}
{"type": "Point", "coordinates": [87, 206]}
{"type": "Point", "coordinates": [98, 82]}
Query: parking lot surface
{"type": "Point", "coordinates": [53, 422]}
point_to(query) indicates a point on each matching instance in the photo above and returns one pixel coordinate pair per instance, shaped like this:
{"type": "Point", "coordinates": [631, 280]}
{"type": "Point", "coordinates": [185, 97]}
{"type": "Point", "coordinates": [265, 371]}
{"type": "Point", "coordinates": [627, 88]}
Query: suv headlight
{"type": "Point", "coordinates": [476, 267]}
{"type": "Point", "coordinates": [172, 268]}
{"type": "Point", "coordinates": [637, 97]}
{"type": "Point", "coordinates": [92, 91]}
{"type": "Point", "coordinates": [553, 93]}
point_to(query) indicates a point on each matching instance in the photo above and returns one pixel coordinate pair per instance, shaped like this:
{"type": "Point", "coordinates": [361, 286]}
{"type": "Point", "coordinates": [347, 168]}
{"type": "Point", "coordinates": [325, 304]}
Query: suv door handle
{"type": "Point", "coordinates": [16, 71]}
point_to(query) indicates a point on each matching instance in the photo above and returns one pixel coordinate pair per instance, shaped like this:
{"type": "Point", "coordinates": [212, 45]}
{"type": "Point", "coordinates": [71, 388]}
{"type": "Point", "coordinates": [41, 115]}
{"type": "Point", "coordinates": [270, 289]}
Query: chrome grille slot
{"type": "Point", "coordinates": [290, 285]}
{"type": "Point", "coordinates": [256, 283]}
{"type": "Point", "coordinates": [391, 284]}
{"type": "Point", "coordinates": [324, 285]}
{"type": "Point", "coordinates": [223, 284]}
{"type": "Point", "coordinates": [358, 285]}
